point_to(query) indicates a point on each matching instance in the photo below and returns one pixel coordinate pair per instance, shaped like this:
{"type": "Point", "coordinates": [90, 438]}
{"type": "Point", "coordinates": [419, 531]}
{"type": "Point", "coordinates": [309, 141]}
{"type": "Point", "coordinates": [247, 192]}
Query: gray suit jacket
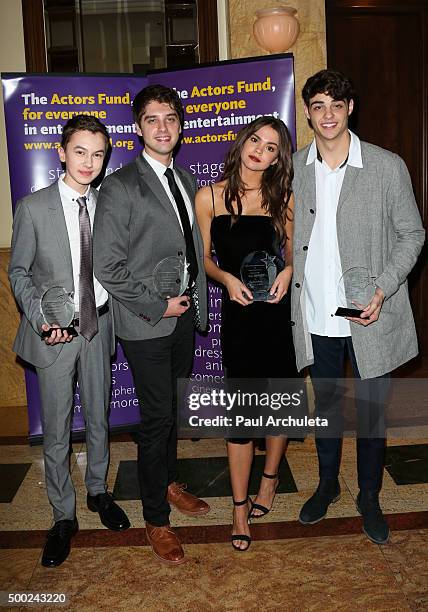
{"type": "Point", "coordinates": [40, 259]}
{"type": "Point", "coordinates": [379, 228]}
{"type": "Point", "coordinates": [135, 228]}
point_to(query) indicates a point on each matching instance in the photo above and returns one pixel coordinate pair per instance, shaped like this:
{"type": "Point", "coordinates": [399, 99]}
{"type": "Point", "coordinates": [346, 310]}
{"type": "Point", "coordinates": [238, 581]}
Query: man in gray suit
{"type": "Point", "coordinates": [355, 208]}
{"type": "Point", "coordinates": [52, 247]}
{"type": "Point", "coordinates": [145, 214]}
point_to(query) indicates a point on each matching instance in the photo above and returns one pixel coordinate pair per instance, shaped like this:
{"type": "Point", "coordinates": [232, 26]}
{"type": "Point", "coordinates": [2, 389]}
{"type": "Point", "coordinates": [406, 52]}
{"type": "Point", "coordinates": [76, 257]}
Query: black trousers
{"type": "Point", "coordinates": [370, 398]}
{"type": "Point", "coordinates": [156, 364]}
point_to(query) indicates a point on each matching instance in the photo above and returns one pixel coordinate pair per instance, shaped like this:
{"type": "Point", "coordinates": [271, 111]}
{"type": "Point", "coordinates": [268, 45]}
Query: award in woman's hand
{"type": "Point", "coordinates": [355, 291]}
{"type": "Point", "coordinates": [258, 273]}
{"type": "Point", "coordinates": [57, 308]}
{"type": "Point", "coordinates": [171, 277]}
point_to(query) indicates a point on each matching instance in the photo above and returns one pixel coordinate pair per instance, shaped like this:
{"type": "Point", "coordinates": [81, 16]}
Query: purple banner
{"type": "Point", "coordinates": [218, 101]}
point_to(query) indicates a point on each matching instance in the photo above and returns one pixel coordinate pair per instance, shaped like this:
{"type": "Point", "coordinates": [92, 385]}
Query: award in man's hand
{"type": "Point", "coordinates": [171, 277]}
{"type": "Point", "coordinates": [258, 273]}
{"type": "Point", "coordinates": [57, 308]}
{"type": "Point", "coordinates": [355, 291]}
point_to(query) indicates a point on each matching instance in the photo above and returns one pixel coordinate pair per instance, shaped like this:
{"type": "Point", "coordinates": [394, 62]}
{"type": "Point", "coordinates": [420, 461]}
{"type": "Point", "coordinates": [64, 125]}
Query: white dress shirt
{"type": "Point", "coordinates": [323, 268]}
{"type": "Point", "coordinates": [160, 168]}
{"type": "Point", "coordinates": [71, 214]}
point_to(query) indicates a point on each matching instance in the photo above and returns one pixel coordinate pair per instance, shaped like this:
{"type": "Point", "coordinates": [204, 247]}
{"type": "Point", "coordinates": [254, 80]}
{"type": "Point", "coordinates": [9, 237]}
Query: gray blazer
{"type": "Point", "coordinates": [379, 228]}
{"type": "Point", "coordinates": [135, 228]}
{"type": "Point", "coordinates": [40, 259]}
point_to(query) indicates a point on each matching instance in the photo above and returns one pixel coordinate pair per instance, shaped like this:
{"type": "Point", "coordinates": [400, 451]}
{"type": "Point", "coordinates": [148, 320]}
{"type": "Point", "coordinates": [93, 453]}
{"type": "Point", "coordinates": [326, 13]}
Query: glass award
{"type": "Point", "coordinates": [57, 308]}
{"type": "Point", "coordinates": [171, 277]}
{"type": "Point", "coordinates": [258, 273]}
{"type": "Point", "coordinates": [355, 291]}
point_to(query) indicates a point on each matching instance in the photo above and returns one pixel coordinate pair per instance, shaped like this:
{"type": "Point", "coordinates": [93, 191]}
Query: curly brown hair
{"type": "Point", "coordinates": [330, 82]}
{"type": "Point", "coordinates": [276, 179]}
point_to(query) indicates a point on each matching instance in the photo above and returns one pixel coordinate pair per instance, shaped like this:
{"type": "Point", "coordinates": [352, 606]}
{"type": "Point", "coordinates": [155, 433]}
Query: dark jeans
{"type": "Point", "coordinates": [371, 395]}
{"type": "Point", "coordinates": [156, 365]}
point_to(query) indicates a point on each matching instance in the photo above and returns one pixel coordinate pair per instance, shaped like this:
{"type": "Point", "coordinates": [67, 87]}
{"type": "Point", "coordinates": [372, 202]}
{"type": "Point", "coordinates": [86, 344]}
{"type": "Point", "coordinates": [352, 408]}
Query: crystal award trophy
{"type": "Point", "coordinates": [258, 273]}
{"type": "Point", "coordinates": [171, 277]}
{"type": "Point", "coordinates": [355, 291]}
{"type": "Point", "coordinates": [57, 308]}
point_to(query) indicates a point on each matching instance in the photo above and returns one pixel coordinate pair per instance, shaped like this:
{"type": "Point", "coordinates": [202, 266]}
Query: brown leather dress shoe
{"type": "Point", "coordinates": [165, 544]}
{"type": "Point", "coordinates": [185, 502]}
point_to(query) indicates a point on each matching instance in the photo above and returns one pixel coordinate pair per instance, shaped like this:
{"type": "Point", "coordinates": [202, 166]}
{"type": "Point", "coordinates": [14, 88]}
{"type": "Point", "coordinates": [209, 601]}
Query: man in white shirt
{"type": "Point", "coordinates": [145, 214]}
{"type": "Point", "coordinates": [52, 248]}
{"type": "Point", "coordinates": [355, 208]}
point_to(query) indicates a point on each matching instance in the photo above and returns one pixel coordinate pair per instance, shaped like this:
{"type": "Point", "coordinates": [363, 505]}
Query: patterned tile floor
{"type": "Point", "coordinates": [329, 566]}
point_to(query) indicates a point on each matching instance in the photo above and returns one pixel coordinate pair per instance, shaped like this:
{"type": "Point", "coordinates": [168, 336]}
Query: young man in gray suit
{"type": "Point", "coordinates": [52, 247]}
{"type": "Point", "coordinates": [354, 208]}
{"type": "Point", "coordinates": [145, 214]}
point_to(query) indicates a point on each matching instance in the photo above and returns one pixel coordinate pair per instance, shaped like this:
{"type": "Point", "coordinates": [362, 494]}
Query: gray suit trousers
{"type": "Point", "coordinates": [91, 361]}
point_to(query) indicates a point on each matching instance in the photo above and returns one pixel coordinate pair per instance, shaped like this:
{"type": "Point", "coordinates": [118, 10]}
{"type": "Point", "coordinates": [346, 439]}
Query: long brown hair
{"type": "Point", "coordinates": [276, 181]}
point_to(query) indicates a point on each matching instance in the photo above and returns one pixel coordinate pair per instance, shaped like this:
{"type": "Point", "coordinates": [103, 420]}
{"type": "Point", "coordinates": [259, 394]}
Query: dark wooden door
{"type": "Point", "coordinates": [382, 46]}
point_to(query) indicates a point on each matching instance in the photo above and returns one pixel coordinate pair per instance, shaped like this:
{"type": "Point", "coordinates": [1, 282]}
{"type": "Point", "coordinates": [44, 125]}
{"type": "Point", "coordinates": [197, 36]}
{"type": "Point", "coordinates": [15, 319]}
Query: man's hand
{"type": "Point", "coordinates": [371, 312]}
{"type": "Point", "coordinates": [177, 306]}
{"type": "Point", "coordinates": [57, 336]}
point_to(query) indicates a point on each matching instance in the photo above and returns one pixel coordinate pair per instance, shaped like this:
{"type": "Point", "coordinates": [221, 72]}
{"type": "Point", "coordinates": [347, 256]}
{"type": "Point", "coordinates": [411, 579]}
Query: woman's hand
{"type": "Point", "coordinates": [238, 292]}
{"type": "Point", "coordinates": [281, 284]}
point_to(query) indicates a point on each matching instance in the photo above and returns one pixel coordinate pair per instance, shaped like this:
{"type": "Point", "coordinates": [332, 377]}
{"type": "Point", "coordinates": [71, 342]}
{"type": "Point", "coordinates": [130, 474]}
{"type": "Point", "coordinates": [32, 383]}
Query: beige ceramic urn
{"type": "Point", "coordinates": [276, 29]}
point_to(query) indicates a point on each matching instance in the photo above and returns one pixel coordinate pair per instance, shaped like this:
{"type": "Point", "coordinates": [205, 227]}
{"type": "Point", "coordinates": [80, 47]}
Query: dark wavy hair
{"type": "Point", "coordinates": [157, 93]}
{"type": "Point", "coordinates": [329, 82]}
{"type": "Point", "coordinates": [276, 180]}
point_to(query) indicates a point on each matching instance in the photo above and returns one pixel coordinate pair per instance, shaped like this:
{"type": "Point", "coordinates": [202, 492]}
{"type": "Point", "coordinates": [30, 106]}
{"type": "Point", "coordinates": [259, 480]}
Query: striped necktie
{"type": "Point", "coordinates": [88, 320]}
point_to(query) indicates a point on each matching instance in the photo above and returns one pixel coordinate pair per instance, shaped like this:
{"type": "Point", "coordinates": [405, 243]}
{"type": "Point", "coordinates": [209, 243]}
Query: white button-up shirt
{"type": "Point", "coordinates": [323, 268]}
{"type": "Point", "coordinates": [71, 214]}
{"type": "Point", "coordinates": [160, 168]}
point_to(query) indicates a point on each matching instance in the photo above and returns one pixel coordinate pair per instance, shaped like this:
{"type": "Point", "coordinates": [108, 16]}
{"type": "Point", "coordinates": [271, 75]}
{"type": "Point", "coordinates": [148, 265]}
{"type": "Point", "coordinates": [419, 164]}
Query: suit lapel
{"type": "Point", "coordinates": [309, 185]}
{"type": "Point", "coordinates": [187, 185]}
{"type": "Point", "coordinates": [190, 190]}
{"type": "Point", "coordinates": [94, 194]}
{"type": "Point", "coordinates": [58, 224]}
{"type": "Point", "coordinates": [152, 182]}
{"type": "Point", "coordinates": [351, 174]}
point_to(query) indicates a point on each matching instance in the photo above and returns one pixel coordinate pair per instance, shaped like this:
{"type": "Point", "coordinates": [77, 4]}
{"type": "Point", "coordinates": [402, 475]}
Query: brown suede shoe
{"type": "Point", "coordinates": [165, 544]}
{"type": "Point", "coordinates": [185, 502]}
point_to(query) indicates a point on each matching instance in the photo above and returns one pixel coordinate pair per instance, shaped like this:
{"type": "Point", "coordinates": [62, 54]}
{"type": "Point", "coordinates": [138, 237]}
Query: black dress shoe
{"type": "Point", "coordinates": [374, 525]}
{"type": "Point", "coordinates": [315, 509]}
{"type": "Point", "coordinates": [57, 547]}
{"type": "Point", "coordinates": [111, 515]}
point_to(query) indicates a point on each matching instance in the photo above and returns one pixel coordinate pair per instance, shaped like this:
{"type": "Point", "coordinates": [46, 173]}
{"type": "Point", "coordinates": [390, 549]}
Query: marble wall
{"type": "Point", "coordinates": [12, 388]}
{"type": "Point", "coordinates": [12, 59]}
{"type": "Point", "coordinates": [309, 51]}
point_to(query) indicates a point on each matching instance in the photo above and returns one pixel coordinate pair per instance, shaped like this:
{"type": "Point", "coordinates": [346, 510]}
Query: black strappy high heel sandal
{"type": "Point", "coordinates": [242, 537]}
{"type": "Point", "coordinates": [263, 509]}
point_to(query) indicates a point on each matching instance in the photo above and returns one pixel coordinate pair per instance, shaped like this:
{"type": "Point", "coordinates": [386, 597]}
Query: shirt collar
{"type": "Point", "coordinates": [67, 191]}
{"type": "Point", "coordinates": [354, 154]}
{"type": "Point", "coordinates": [157, 166]}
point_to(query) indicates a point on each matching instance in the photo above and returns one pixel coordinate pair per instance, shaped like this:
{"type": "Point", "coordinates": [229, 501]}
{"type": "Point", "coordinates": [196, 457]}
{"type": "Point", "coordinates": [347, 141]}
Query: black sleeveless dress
{"type": "Point", "coordinates": [256, 339]}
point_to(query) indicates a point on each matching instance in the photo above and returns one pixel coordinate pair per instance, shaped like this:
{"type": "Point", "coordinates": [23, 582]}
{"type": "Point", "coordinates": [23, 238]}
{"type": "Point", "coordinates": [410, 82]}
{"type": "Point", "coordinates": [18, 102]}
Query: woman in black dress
{"type": "Point", "coordinates": [251, 210]}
